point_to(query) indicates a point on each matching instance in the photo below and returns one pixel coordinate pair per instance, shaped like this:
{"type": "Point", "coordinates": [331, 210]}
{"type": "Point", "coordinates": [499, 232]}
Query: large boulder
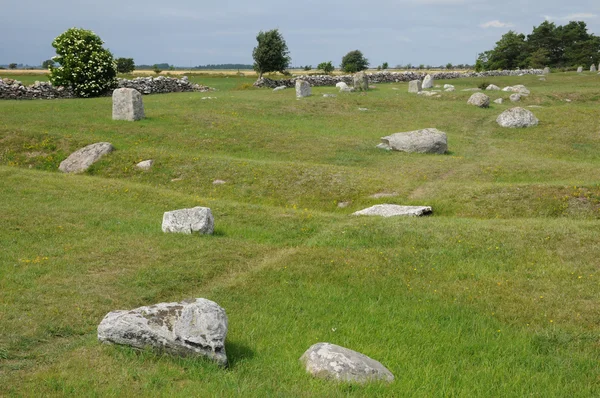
{"type": "Point", "coordinates": [580, 69]}
{"type": "Point", "coordinates": [81, 160]}
{"type": "Point", "coordinates": [341, 85]}
{"type": "Point", "coordinates": [333, 362]}
{"type": "Point", "coordinates": [517, 117]}
{"type": "Point", "coordinates": [415, 86]}
{"type": "Point", "coordinates": [479, 99]}
{"type": "Point", "coordinates": [428, 82]}
{"type": "Point", "coordinates": [492, 87]}
{"type": "Point", "coordinates": [360, 81]}
{"type": "Point", "coordinates": [196, 327]}
{"type": "Point", "coordinates": [387, 210]}
{"type": "Point", "coordinates": [127, 105]}
{"type": "Point", "coordinates": [303, 89]}
{"type": "Point", "coordinates": [546, 71]}
{"type": "Point", "coordinates": [428, 140]}
{"type": "Point", "coordinates": [187, 221]}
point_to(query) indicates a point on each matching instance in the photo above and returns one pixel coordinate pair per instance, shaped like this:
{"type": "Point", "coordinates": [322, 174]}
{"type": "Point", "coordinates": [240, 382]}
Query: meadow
{"type": "Point", "coordinates": [495, 294]}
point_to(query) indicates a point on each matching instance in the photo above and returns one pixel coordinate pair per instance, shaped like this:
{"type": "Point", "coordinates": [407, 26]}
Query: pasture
{"type": "Point", "coordinates": [495, 294]}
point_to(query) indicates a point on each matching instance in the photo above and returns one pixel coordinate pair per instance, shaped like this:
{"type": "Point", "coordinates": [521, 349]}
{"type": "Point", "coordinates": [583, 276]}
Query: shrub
{"type": "Point", "coordinates": [156, 69]}
{"type": "Point", "coordinates": [125, 65]}
{"type": "Point", "coordinates": [12, 66]}
{"type": "Point", "coordinates": [326, 67]}
{"type": "Point", "coordinates": [384, 66]}
{"type": "Point", "coordinates": [85, 66]}
{"type": "Point", "coordinates": [354, 61]}
{"type": "Point", "coordinates": [47, 64]}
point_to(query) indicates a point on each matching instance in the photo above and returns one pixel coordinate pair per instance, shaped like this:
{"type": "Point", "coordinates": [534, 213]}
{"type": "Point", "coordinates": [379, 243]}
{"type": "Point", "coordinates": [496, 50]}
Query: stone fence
{"type": "Point", "coordinates": [389, 77]}
{"type": "Point", "coordinates": [14, 89]}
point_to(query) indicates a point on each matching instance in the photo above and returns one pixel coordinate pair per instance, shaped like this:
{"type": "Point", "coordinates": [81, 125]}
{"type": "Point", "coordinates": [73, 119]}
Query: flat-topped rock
{"type": "Point", "coordinates": [479, 99]}
{"type": "Point", "coordinates": [387, 210]}
{"type": "Point", "coordinates": [145, 164]}
{"type": "Point", "coordinates": [492, 87]}
{"type": "Point", "coordinates": [127, 105]}
{"type": "Point", "coordinates": [333, 362]}
{"type": "Point", "coordinates": [303, 89]}
{"type": "Point", "coordinates": [517, 117]}
{"type": "Point", "coordinates": [428, 140]}
{"type": "Point", "coordinates": [81, 160]}
{"type": "Point", "coordinates": [187, 221]}
{"type": "Point", "coordinates": [196, 327]}
{"type": "Point", "coordinates": [415, 86]}
{"type": "Point", "coordinates": [580, 69]}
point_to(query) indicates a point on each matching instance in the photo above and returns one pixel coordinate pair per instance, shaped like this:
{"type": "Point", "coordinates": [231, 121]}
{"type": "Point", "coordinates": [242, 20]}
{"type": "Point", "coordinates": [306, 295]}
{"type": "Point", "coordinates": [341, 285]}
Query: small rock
{"type": "Point", "coordinates": [145, 165]}
{"type": "Point", "coordinates": [187, 221]}
{"type": "Point", "coordinates": [447, 86]}
{"type": "Point", "coordinates": [546, 71]}
{"type": "Point", "coordinates": [279, 88]}
{"type": "Point", "coordinates": [492, 87]}
{"type": "Point", "coordinates": [383, 195]}
{"type": "Point", "coordinates": [428, 140]}
{"type": "Point", "coordinates": [499, 101]}
{"type": "Point", "coordinates": [471, 89]}
{"type": "Point", "coordinates": [362, 109]}
{"type": "Point", "coordinates": [329, 95]}
{"type": "Point", "coordinates": [219, 182]}
{"type": "Point", "coordinates": [479, 99]}
{"type": "Point", "coordinates": [515, 97]}
{"type": "Point", "coordinates": [580, 69]}
{"type": "Point", "coordinates": [343, 205]}
{"type": "Point", "coordinates": [387, 210]}
{"type": "Point", "coordinates": [517, 117]}
{"type": "Point", "coordinates": [341, 85]}
{"type": "Point", "coordinates": [450, 89]}
{"type": "Point", "coordinates": [81, 160]}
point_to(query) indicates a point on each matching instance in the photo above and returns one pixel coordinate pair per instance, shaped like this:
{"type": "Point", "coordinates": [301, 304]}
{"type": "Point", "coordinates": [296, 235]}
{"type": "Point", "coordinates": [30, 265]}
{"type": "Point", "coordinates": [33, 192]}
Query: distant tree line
{"type": "Point", "coordinates": [223, 66]}
{"type": "Point", "coordinates": [547, 45]}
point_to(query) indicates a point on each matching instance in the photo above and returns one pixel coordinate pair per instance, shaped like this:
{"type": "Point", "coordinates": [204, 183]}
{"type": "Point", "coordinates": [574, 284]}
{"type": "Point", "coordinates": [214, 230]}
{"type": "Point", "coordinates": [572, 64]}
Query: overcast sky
{"type": "Point", "coordinates": [197, 32]}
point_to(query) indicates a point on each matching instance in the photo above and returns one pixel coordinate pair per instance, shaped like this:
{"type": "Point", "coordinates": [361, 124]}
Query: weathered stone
{"type": "Point", "coordinates": [499, 101]}
{"type": "Point", "coordinates": [387, 210]}
{"type": "Point", "coordinates": [383, 195]}
{"type": "Point", "coordinates": [127, 105]}
{"type": "Point", "coordinates": [428, 93]}
{"type": "Point", "coordinates": [447, 86]}
{"type": "Point", "coordinates": [428, 82]}
{"type": "Point", "coordinates": [333, 362]}
{"type": "Point", "coordinates": [521, 89]}
{"type": "Point", "coordinates": [428, 140]}
{"type": "Point", "coordinates": [580, 69]}
{"type": "Point", "coordinates": [450, 89]}
{"type": "Point", "coordinates": [341, 85]}
{"type": "Point", "coordinates": [187, 221]}
{"type": "Point", "coordinates": [492, 87]}
{"type": "Point", "coordinates": [361, 81]}
{"type": "Point", "coordinates": [303, 89]}
{"type": "Point", "coordinates": [593, 68]}
{"type": "Point", "coordinates": [80, 160]}
{"type": "Point", "coordinates": [471, 89]}
{"type": "Point", "coordinates": [145, 165]}
{"type": "Point", "coordinates": [515, 97]}
{"type": "Point", "coordinates": [329, 95]}
{"type": "Point", "coordinates": [196, 327]}
{"type": "Point", "coordinates": [415, 86]}
{"type": "Point", "coordinates": [219, 182]}
{"type": "Point", "coordinates": [546, 71]}
{"type": "Point", "coordinates": [347, 89]}
{"type": "Point", "coordinates": [279, 88]}
{"type": "Point", "coordinates": [479, 99]}
{"type": "Point", "coordinates": [517, 117]}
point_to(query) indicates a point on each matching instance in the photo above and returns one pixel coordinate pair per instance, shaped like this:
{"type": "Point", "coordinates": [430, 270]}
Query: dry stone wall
{"type": "Point", "coordinates": [14, 89]}
{"type": "Point", "coordinates": [389, 77]}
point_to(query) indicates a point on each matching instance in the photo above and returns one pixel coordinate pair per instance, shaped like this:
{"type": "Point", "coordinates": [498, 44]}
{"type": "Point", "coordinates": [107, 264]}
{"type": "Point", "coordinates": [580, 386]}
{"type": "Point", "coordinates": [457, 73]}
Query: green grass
{"type": "Point", "coordinates": [494, 295]}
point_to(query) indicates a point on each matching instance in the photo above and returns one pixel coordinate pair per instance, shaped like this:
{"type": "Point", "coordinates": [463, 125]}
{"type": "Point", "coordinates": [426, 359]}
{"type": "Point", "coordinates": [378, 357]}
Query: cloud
{"type": "Point", "coordinates": [572, 17]}
{"type": "Point", "coordinates": [496, 24]}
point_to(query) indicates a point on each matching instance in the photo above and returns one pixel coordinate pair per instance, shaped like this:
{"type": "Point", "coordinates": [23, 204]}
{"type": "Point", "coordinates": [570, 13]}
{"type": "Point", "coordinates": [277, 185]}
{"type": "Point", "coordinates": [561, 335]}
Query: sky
{"type": "Point", "coordinates": [196, 32]}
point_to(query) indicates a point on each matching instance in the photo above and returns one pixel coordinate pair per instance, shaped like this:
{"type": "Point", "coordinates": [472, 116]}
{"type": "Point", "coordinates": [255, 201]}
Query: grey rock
{"type": "Point", "coordinates": [383, 195]}
{"type": "Point", "coordinates": [347, 89]}
{"type": "Point", "coordinates": [196, 327]}
{"type": "Point", "coordinates": [329, 95]}
{"type": "Point", "coordinates": [471, 89]}
{"type": "Point", "coordinates": [363, 109]}
{"type": "Point", "coordinates": [593, 68]}
{"type": "Point", "coordinates": [580, 69]}
{"type": "Point", "coordinates": [546, 71]}
{"type": "Point", "coordinates": [187, 221]}
{"type": "Point", "coordinates": [517, 117]}
{"type": "Point", "coordinates": [80, 160]}
{"type": "Point", "coordinates": [515, 97]}
{"type": "Point", "coordinates": [499, 101]}
{"type": "Point", "coordinates": [508, 89]}
{"type": "Point", "coordinates": [450, 89]}
{"type": "Point", "coordinates": [521, 89]}
{"type": "Point", "coordinates": [542, 79]}
{"type": "Point", "coordinates": [303, 89]}
{"type": "Point", "coordinates": [428, 93]}
{"type": "Point", "coordinates": [492, 87]}
{"type": "Point", "coordinates": [279, 88]}
{"type": "Point", "coordinates": [333, 362]}
{"type": "Point", "coordinates": [145, 164]}
{"type": "Point", "coordinates": [479, 99]}
{"type": "Point", "coordinates": [428, 140]}
{"type": "Point", "coordinates": [428, 82]}
{"type": "Point", "coordinates": [343, 205]}
{"type": "Point", "coordinates": [387, 210]}
{"type": "Point", "coordinates": [415, 86]}
{"type": "Point", "coordinates": [361, 81]}
{"type": "Point", "coordinates": [447, 86]}
{"type": "Point", "coordinates": [341, 85]}
{"type": "Point", "coordinates": [127, 105]}
{"type": "Point", "coordinates": [219, 182]}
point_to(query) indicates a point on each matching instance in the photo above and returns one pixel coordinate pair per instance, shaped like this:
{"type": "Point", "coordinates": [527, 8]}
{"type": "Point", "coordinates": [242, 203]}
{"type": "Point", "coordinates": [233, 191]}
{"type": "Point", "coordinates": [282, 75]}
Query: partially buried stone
{"type": "Point", "coordinates": [593, 68]}
{"type": "Point", "coordinates": [333, 362]}
{"type": "Point", "coordinates": [145, 165]}
{"type": "Point", "coordinates": [127, 105]}
{"type": "Point", "coordinates": [388, 210]}
{"type": "Point", "coordinates": [515, 97]}
{"type": "Point", "coordinates": [428, 140]}
{"type": "Point", "coordinates": [302, 89]}
{"type": "Point", "coordinates": [81, 160]}
{"type": "Point", "coordinates": [279, 88]}
{"type": "Point", "coordinates": [196, 327]}
{"type": "Point", "coordinates": [187, 221]}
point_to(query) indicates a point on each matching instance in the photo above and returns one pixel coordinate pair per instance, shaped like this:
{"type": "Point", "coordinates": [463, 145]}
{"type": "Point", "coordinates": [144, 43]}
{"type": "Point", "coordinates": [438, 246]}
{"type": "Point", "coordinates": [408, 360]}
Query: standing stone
{"type": "Point", "coordinates": [361, 81]}
{"type": "Point", "coordinates": [593, 68]}
{"type": "Point", "coordinates": [428, 82]}
{"type": "Point", "coordinates": [127, 105]}
{"type": "Point", "coordinates": [80, 160]}
{"type": "Point", "coordinates": [333, 362]}
{"type": "Point", "coordinates": [420, 141]}
{"type": "Point", "coordinates": [302, 89]}
{"type": "Point", "coordinates": [546, 71]}
{"type": "Point", "coordinates": [187, 221]}
{"type": "Point", "coordinates": [196, 327]}
{"type": "Point", "coordinates": [517, 117]}
{"type": "Point", "coordinates": [479, 99]}
{"type": "Point", "coordinates": [580, 69]}
{"type": "Point", "coordinates": [414, 86]}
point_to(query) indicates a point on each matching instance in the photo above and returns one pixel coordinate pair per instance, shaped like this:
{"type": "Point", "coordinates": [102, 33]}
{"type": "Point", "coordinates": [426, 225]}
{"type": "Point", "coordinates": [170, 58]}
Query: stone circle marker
{"type": "Point", "coordinates": [517, 117]}
{"type": "Point", "coordinates": [81, 160]}
{"type": "Point", "coordinates": [479, 99]}
{"type": "Point", "coordinates": [593, 68]}
{"type": "Point", "coordinates": [303, 89]}
{"type": "Point", "coordinates": [361, 81]}
{"type": "Point", "coordinates": [546, 71]}
{"type": "Point", "coordinates": [415, 86]}
{"type": "Point", "coordinates": [428, 82]}
{"type": "Point", "coordinates": [333, 362]}
{"type": "Point", "coordinates": [127, 105]}
{"type": "Point", "coordinates": [196, 327]}
{"type": "Point", "coordinates": [388, 210]}
{"type": "Point", "coordinates": [187, 221]}
{"type": "Point", "coordinates": [420, 141]}
{"type": "Point", "coordinates": [580, 69]}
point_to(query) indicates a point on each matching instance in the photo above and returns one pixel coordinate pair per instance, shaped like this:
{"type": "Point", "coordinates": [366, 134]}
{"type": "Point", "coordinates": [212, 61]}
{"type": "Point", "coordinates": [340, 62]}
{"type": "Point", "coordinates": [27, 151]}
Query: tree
{"type": "Point", "coordinates": [156, 69]}
{"type": "Point", "coordinates": [85, 66]}
{"type": "Point", "coordinates": [384, 66]}
{"type": "Point", "coordinates": [271, 54]}
{"type": "Point", "coordinates": [354, 61]}
{"type": "Point", "coordinates": [12, 66]}
{"type": "Point", "coordinates": [539, 58]}
{"type": "Point", "coordinates": [326, 67]}
{"type": "Point", "coordinates": [510, 52]}
{"type": "Point", "coordinates": [47, 64]}
{"type": "Point", "coordinates": [307, 67]}
{"type": "Point", "coordinates": [449, 66]}
{"type": "Point", "coordinates": [125, 65]}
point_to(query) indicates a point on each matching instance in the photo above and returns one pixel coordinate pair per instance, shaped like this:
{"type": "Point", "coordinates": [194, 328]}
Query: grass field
{"type": "Point", "coordinates": [496, 294]}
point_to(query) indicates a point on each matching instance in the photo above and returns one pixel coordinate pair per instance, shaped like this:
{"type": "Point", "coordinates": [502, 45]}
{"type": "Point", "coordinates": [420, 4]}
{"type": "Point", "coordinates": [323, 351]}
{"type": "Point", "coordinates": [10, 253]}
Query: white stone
{"type": "Point", "coordinates": [341, 85]}
{"type": "Point", "coordinates": [360, 81]}
{"type": "Point", "coordinates": [447, 86]}
{"type": "Point", "coordinates": [333, 362]}
{"type": "Point", "coordinates": [187, 221]}
{"type": "Point", "coordinates": [80, 160]}
{"type": "Point", "coordinates": [492, 87]}
{"type": "Point", "coordinates": [515, 97]}
{"type": "Point", "coordinates": [428, 82]}
{"type": "Point", "coordinates": [303, 89]}
{"type": "Point", "coordinates": [546, 71]}
{"type": "Point", "coordinates": [499, 101]}
{"type": "Point", "coordinates": [197, 327]}
{"type": "Point", "coordinates": [580, 69]}
{"type": "Point", "coordinates": [219, 182]}
{"type": "Point", "coordinates": [517, 117]}
{"type": "Point", "coordinates": [507, 89]}
{"type": "Point", "coordinates": [329, 95]}
{"type": "Point", "coordinates": [145, 164]}
{"type": "Point", "coordinates": [593, 68]}
{"type": "Point", "coordinates": [415, 86]}
{"type": "Point", "coordinates": [127, 105]}
{"type": "Point", "coordinates": [479, 99]}
{"type": "Point", "coordinates": [521, 89]}
{"type": "Point", "coordinates": [428, 140]}
{"type": "Point", "coordinates": [450, 89]}
{"type": "Point", "coordinates": [387, 210]}
{"type": "Point", "coordinates": [279, 88]}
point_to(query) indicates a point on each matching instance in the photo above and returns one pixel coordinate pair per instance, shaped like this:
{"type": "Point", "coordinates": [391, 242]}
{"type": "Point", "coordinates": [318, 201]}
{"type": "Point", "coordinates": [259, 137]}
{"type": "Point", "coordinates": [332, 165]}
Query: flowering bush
{"type": "Point", "coordinates": [84, 65]}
